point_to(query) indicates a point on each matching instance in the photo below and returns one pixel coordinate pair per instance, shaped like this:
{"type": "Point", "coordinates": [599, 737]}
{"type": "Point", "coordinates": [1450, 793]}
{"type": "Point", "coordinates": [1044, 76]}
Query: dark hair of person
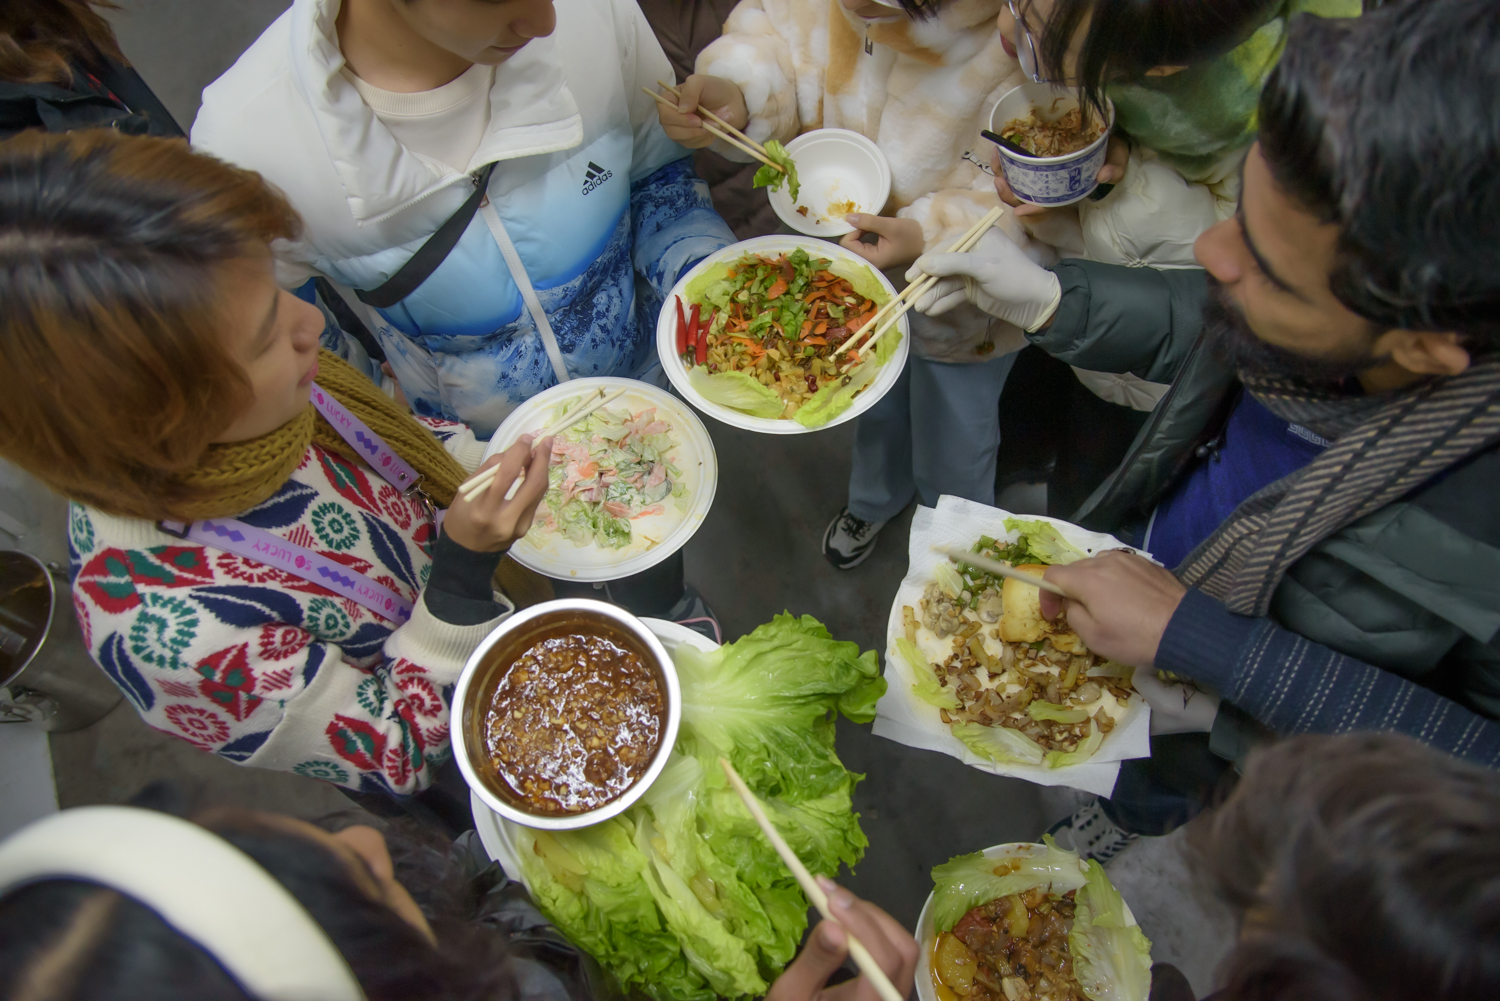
{"type": "Point", "coordinates": [68, 938]}
{"type": "Point", "coordinates": [112, 255]}
{"type": "Point", "coordinates": [1125, 38]}
{"type": "Point", "coordinates": [40, 39]}
{"type": "Point", "coordinates": [1367, 868]}
{"type": "Point", "coordinates": [1388, 126]}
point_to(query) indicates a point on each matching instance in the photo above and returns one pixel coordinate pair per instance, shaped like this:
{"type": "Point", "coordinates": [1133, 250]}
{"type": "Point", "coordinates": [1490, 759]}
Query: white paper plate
{"type": "Point", "coordinates": [833, 165]}
{"type": "Point", "coordinates": [498, 834]}
{"type": "Point", "coordinates": [927, 930]}
{"type": "Point", "coordinates": [695, 456]}
{"type": "Point", "coordinates": [666, 337]}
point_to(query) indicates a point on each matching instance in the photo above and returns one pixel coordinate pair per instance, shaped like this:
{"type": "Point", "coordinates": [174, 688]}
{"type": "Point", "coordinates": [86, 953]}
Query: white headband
{"type": "Point", "coordinates": [200, 884]}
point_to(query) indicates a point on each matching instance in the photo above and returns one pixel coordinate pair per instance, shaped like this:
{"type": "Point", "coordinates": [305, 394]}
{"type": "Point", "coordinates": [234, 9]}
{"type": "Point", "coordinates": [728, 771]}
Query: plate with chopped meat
{"type": "Point", "coordinates": [1029, 922]}
{"type": "Point", "coordinates": [975, 671]}
{"type": "Point", "coordinates": [751, 335]}
{"type": "Point", "coordinates": [628, 485]}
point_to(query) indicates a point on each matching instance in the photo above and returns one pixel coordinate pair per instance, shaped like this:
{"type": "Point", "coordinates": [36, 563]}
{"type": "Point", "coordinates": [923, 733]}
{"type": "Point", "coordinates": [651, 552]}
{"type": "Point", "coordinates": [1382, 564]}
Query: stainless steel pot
{"type": "Point", "coordinates": [46, 672]}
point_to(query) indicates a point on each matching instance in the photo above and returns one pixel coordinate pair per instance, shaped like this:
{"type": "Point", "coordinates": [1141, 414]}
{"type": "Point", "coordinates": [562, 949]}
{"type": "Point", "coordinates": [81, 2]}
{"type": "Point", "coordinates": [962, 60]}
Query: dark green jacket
{"type": "Point", "coordinates": [1413, 588]}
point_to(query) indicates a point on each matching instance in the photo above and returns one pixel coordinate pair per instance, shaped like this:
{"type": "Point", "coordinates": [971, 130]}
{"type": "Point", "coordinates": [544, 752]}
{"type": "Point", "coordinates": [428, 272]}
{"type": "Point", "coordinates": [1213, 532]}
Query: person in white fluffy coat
{"type": "Point", "coordinates": [920, 84]}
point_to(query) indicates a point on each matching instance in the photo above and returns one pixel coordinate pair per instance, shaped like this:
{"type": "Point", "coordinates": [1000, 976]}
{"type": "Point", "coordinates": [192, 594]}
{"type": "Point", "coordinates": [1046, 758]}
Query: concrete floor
{"type": "Point", "coordinates": [756, 555]}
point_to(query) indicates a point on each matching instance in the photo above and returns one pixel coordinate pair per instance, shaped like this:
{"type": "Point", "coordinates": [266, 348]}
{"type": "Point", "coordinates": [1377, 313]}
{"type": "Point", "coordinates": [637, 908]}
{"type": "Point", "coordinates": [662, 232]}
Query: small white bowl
{"type": "Point", "coordinates": [1049, 180]}
{"type": "Point", "coordinates": [833, 165]}
{"type": "Point", "coordinates": [498, 651]}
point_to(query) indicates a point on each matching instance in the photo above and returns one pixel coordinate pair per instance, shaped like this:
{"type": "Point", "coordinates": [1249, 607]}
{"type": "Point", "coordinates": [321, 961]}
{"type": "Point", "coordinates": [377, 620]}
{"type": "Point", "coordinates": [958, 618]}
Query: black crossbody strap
{"type": "Point", "coordinates": [429, 255]}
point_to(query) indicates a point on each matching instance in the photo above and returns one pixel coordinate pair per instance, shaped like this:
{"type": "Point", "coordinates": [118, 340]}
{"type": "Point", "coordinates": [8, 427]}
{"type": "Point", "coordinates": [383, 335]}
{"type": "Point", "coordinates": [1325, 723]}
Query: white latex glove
{"type": "Point", "coordinates": [996, 276]}
{"type": "Point", "coordinates": [1176, 708]}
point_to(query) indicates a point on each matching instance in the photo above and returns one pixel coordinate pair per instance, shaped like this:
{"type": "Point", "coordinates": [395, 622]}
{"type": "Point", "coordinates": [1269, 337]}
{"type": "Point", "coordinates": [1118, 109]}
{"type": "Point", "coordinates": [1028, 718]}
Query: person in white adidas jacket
{"type": "Point", "coordinates": [371, 115]}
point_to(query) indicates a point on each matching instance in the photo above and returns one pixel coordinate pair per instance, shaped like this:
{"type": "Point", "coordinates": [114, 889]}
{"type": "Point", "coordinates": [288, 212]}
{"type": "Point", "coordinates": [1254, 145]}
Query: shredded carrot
{"type": "Point", "coordinates": [860, 320]}
{"type": "Point", "coordinates": [776, 289]}
{"type": "Point", "coordinates": [821, 328]}
{"type": "Point", "coordinates": [815, 340]}
{"type": "Point", "coordinates": [807, 326]}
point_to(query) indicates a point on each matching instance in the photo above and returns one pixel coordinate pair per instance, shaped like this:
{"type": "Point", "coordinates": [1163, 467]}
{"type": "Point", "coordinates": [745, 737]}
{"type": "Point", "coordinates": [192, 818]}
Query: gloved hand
{"type": "Point", "coordinates": [1175, 708]}
{"type": "Point", "coordinates": [996, 276]}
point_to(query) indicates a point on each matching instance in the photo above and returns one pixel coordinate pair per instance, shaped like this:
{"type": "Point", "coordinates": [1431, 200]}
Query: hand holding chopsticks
{"type": "Point", "coordinates": [890, 314]}
{"type": "Point", "coordinates": [480, 481]}
{"type": "Point", "coordinates": [815, 892]}
{"type": "Point", "coordinates": [719, 126]}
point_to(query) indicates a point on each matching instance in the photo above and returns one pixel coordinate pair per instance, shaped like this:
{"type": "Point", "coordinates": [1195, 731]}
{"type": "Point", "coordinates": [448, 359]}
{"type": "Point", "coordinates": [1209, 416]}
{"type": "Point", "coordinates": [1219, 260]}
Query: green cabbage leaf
{"type": "Point", "coordinates": [1111, 956]}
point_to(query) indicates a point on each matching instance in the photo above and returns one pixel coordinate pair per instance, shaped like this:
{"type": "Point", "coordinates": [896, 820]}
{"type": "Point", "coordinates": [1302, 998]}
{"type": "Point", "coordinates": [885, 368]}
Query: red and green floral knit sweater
{"type": "Point", "coordinates": [270, 670]}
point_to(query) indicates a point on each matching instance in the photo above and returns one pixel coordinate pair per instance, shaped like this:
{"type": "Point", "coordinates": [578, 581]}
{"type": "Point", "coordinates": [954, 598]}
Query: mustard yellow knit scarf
{"type": "Point", "coordinates": [235, 477]}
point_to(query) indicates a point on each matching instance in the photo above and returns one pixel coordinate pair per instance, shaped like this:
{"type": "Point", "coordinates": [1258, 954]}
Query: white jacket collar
{"type": "Point", "coordinates": [532, 111]}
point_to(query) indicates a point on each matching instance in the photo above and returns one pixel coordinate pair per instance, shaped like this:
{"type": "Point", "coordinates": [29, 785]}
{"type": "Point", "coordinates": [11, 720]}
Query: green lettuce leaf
{"type": "Point", "coordinates": [999, 743]}
{"type": "Point", "coordinates": [927, 688]}
{"type": "Point", "coordinates": [963, 883]}
{"type": "Point", "coordinates": [713, 286]}
{"type": "Point", "coordinates": [833, 398]}
{"type": "Point", "coordinates": [1039, 710]}
{"type": "Point", "coordinates": [1045, 543]}
{"type": "Point", "coordinates": [737, 391]}
{"type": "Point", "coordinates": [1085, 751]}
{"type": "Point", "coordinates": [1111, 957]}
{"type": "Point", "coordinates": [769, 176]}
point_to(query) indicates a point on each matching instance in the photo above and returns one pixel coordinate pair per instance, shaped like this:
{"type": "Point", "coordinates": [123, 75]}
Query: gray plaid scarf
{"type": "Point", "coordinates": [1383, 448]}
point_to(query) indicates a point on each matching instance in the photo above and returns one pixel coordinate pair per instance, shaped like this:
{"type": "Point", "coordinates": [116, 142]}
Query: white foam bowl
{"type": "Point", "coordinates": [677, 373]}
{"type": "Point", "coordinates": [927, 927]}
{"type": "Point", "coordinates": [833, 165]}
{"type": "Point", "coordinates": [1049, 180]}
{"type": "Point", "coordinates": [557, 557]}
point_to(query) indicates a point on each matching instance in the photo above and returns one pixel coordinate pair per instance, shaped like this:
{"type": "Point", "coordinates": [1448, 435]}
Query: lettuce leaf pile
{"type": "Point", "coordinates": [681, 896]}
{"type": "Point", "coordinates": [769, 176]}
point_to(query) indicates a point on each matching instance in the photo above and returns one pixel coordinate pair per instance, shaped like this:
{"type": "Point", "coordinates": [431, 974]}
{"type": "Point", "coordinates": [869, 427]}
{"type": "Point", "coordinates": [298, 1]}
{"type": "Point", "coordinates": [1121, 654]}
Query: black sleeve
{"type": "Point", "coordinates": [460, 591]}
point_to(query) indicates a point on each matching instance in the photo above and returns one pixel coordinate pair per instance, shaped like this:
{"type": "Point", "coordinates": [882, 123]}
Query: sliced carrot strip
{"type": "Point", "coordinates": [814, 340]}
{"type": "Point", "coordinates": [822, 327]}
{"type": "Point", "coordinates": [807, 326]}
{"type": "Point", "coordinates": [776, 289]}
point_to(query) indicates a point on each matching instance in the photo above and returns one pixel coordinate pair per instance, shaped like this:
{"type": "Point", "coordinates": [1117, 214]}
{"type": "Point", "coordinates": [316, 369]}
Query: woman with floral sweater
{"type": "Point", "coordinates": [230, 545]}
{"type": "Point", "coordinates": [920, 84]}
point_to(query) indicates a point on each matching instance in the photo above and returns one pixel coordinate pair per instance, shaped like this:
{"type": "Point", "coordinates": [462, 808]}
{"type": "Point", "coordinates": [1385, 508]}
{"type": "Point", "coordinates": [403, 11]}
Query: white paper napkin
{"type": "Point", "coordinates": [906, 719]}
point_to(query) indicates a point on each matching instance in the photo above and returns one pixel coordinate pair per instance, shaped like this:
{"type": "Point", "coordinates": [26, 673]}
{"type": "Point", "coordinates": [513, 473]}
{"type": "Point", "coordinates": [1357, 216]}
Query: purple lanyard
{"type": "Point", "coordinates": [253, 543]}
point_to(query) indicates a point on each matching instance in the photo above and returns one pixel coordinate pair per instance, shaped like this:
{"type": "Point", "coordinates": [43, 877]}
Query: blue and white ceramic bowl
{"type": "Point", "coordinates": [1048, 180]}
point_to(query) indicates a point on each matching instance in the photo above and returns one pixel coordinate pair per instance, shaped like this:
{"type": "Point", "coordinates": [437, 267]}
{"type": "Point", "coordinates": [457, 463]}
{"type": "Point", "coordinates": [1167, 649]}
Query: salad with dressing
{"type": "Point", "coordinates": [607, 471]}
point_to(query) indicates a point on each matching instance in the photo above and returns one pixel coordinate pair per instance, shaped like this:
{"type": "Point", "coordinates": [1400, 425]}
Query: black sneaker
{"type": "Point", "coordinates": [850, 540]}
{"type": "Point", "coordinates": [1091, 833]}
{"type": "Point", "coordinates": [692, 611]}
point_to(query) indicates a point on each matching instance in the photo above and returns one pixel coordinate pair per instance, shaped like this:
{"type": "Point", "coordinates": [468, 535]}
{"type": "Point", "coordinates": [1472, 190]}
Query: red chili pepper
{"type": "Point", "coordinates": [682, 329]}
{"type": "Point", "coordinates": [702, 354]}
{"type": "Point", "coordinates": [692, 334]}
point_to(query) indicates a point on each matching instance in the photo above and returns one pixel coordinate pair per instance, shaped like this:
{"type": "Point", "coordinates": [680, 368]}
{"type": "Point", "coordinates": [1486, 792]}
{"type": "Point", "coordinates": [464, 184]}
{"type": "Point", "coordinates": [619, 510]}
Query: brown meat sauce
{"type": "Point", "coordinates": [573, 723]}
{"type": "Point", "coordinates": [1014, 948]}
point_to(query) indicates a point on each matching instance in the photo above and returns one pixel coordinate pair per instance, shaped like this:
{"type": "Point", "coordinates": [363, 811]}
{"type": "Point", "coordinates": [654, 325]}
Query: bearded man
{"type": "Point", "coordinates": [1322, 481]}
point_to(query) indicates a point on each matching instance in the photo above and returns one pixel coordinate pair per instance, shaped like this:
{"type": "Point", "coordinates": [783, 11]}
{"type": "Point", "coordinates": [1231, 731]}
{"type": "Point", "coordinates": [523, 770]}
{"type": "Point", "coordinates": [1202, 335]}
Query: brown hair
{"type": "Point", "coordinates": [111, 249]}
{"type": "Point", "coordinates": [1369, 869]}
{"type": "Point", "coordinates": [39, 38]}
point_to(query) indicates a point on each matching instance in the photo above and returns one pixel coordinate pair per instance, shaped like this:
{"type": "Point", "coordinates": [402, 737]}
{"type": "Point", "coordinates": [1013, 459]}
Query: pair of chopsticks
{"type": "Point", "coordinates": [862, 957]}
{"type": "Point", "coordinates": [999, 569]}
{"type": "Point", "coordinates": [480, 481]}
{"type": "Point", "coordinates": [725, 131]}
{"type": "Point", "coordinates": [888, 315]}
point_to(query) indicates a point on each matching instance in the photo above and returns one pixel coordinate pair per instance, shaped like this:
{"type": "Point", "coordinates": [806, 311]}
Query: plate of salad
{"type": "Point", "coordinates": [1029, 921]}
{"type": "Point", "coordinates": [627, 486]}
{"type": "Point", "coordinates": [681, 897]}
{"type": "Point", "coordinates": [749, 335]}
{"type": "Point", "coordinates": [978, 673]}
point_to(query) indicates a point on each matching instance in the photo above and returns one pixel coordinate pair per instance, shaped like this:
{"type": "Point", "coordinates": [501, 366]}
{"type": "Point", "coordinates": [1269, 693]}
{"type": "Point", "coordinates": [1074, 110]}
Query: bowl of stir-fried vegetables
{"type": "Point", "coordinates": [751, 335]}
{"type": "Point", "coordinates": [627, 486]}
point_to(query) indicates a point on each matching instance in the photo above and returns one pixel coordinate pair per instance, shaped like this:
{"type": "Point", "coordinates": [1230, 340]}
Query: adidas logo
{"type": "Point", "coordinates": [594, 176]}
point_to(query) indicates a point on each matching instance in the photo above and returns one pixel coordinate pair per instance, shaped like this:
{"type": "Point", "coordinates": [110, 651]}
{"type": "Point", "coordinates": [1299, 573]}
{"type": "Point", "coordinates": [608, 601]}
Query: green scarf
{"type": "Point", "coordinates": [1193, 119]}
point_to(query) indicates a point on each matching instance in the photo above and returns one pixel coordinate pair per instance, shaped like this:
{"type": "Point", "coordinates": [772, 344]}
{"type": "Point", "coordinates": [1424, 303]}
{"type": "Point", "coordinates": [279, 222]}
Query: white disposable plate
{"type": "Point", "coordinates": [833, 165]}
{"type": "Point", "coordinates": [695, 456]}
{"type": "Point", "coordinates": [498, 834]}
{"type": "Point", "coordinates": [666, 337]}
{"type": "Point", "coordinates": [927, 931]}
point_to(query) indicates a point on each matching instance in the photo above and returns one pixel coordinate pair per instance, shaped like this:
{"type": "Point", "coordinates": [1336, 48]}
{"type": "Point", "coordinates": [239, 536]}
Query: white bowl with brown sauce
{"type": "Point", "coordinates": [565, 714]}
{"type": "Point", "coordinates": [1049, 180]}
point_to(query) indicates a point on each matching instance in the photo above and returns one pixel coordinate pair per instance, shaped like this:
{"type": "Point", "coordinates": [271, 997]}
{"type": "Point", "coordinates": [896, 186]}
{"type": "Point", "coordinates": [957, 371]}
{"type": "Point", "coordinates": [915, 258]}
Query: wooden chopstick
{"type": "Point", "coordinates": [857, 950]}
{"type": "Point", "coordinates": [922, 285]}
{"type": "Point", "coordinates": [911, 292]}
{"type": "Point", "coordinates": [480, 482]}
{"type": "Point", "coordinates": [998, 569]}
{"type": "Point", "coordinates": [675, 92]}
{"type": "Point", "coordinates": [731, 140]}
